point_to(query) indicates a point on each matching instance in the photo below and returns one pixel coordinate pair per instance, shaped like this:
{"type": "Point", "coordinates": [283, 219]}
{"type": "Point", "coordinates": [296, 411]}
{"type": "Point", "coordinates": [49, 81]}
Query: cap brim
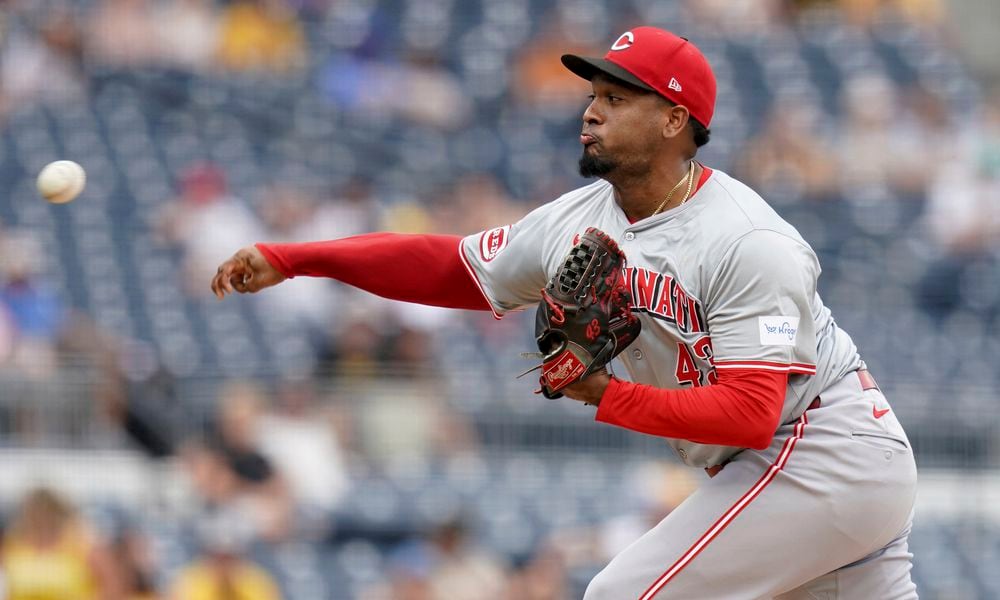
{"type": "Point", "coordinates": [588, 67]}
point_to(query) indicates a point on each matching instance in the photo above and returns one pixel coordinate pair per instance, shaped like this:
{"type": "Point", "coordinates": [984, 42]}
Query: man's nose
{"type": "Point", "coordinates": [591, 114]}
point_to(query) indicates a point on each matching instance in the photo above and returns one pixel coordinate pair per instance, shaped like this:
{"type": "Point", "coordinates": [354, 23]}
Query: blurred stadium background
{"type": "Point", "coordinates": [314, 442]}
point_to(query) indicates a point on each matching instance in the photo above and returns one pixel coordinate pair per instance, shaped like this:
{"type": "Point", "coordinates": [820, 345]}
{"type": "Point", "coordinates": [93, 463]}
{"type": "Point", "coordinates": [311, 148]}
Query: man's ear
{"type": "Point", "coordinates": [675, 120]}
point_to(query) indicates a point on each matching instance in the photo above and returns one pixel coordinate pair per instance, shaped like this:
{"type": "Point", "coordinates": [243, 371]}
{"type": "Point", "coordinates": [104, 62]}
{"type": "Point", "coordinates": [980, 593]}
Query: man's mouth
{"type": "Point", "coordinates": [587, 139]}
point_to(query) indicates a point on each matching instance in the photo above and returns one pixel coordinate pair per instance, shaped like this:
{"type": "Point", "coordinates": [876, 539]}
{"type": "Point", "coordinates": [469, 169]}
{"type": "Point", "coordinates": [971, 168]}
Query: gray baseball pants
{"type": "Point", "coordinates": [823, 513]}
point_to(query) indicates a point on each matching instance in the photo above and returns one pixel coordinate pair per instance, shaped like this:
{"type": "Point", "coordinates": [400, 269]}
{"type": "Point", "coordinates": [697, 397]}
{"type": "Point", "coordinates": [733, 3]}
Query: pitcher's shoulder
{"type": "Point", "coordinates": [585, 201]}
{"type": "Point", "coordinates": [598, 191]}
{"type": "Point", "coordinates": [736, 209]}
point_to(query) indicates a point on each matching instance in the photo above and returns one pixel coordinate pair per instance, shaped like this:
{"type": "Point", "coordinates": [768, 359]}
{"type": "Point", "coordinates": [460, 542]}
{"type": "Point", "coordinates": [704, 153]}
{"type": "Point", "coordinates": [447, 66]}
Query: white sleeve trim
{"type": "Point", "coordinates": [800, 368]}
{"type": "Point", "coordinates": [475, 278]}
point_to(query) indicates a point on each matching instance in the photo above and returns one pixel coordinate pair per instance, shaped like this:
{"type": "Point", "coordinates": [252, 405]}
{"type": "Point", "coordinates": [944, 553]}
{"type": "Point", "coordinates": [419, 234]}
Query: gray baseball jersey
{"type": "Point", "coordinates": [720, 282]}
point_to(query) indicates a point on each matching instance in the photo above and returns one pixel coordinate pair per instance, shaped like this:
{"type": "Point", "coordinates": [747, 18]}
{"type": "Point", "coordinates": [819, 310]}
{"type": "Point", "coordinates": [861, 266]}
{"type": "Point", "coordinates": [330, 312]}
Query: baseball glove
{"type": "Point", "coordinates": [584, 318]}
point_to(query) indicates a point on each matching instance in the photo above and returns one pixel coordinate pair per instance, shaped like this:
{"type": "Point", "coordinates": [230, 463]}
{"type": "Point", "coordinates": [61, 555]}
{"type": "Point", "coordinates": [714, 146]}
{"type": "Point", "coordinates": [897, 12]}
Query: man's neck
{"type": "Point", "coordinates": [640, 196]}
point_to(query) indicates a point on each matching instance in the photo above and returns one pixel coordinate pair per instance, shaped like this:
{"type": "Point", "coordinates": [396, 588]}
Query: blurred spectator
{"type": "Point", "coordinates": [475, 202]}
{"type": "Point", "coordinates": [868, 12]}
{"type": "Point", "coordinates": [447, 565]}
{"type": "Point", "coordinates": [352, 345]}
{"type": "Point", "coordinates": [50, 553]}
{"type": "Point", "coordinates": [260, 35]}
{"type": "Point", "coordinates": [133, 555]}
{"type": "Point", "coordinates": [417, 89]}
{"type": "Point", "coordinates": [790, 155]}
{"type": "Point", "coordinates": [223, 572]}
{"type": "Point", "coordinates": [294, 214]}
{"type": "Point", "coordinates": [386, 346]}
{"type": "Point", "coordinates": [373, 333]}
{"type": "Point", "coordinates": [150, 413]}
{"type": "Point", "coordinates": [35, 309]}
{"type": "Point", "coordinates": [188, 33]}
{"type": "Point", "coordinates": [120, 392]}
{"type": "Point", "coordinates": [738, 17]}
{"type": "Point", "coordinates": [464, 570]}
{"type": "Point", "coordinates": [428, 94]}
{"type": "Point", "coordinates": [430, 429]}
{"type": "Point", "coordinates": [963, 217]}
{"type": "Point", "coordinates": [924, 121]}
{"type": "Point", "coordinates": [657, 489]}
{"type": "Point", "coordinates": [543, 577]}
{"type": "Point", "coordinates": [41, 66]}
{"type": "Point", "coordinates": [411, 216]}
{"type": "Point", "coordinates": [123, 34]}
{"type": "Point", "coordinates": [357, 84]}
{"type": "Point", "coordinates": [286, 210]}
{"type": "Point", "coordinates": [229, 473]}
{"type": "Point", "coordinates": [540, 81]}
{"type": "Point", "coordinates": [249, 489]}
{"type": "Point", "coordinates": [8, 335]}
{"type": "Point", "coordinates": [207, 224]}
{"type": "Point", "coordinates": [300, 439]}
{"type": "Point", "coordinates": [407, 576]}
{"type": "Point", "coordinates": [872, 148]}
{"type": "Point", "coordinates": [261, 489]}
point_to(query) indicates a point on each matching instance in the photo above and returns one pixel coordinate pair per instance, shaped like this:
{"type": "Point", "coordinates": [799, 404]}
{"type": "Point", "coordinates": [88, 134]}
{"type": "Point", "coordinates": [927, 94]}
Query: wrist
{"type": "Point", "coordinates": [599, 390]}
{"type": "Point", "coordinates": [589, 390]}
{"type": "Point", "coordinates": [274, 259]}
{"type": "Point", "coordinates": [607, 390]}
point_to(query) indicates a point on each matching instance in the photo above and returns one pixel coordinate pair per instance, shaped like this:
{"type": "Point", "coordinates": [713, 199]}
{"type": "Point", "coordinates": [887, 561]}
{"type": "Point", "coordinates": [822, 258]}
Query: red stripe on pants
{"type": "Point", "coordinates": [734, 510]}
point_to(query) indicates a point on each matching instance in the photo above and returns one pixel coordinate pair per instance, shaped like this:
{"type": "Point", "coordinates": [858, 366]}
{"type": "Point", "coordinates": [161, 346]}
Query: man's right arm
{"type": "Point", "coordinates": [424, 269]}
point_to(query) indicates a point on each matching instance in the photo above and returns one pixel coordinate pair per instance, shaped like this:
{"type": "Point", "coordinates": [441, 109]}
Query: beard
{"type": "Point", "coordinates": [595, 166]}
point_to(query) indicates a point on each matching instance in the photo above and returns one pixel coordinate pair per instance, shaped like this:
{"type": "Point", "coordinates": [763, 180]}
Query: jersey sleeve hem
{"type": "Point", "coordinates": [276, 260]}
{"type": "Point", "coordinates": [765, 365]}
{"type": "Point", "coordinates": [475, 279]}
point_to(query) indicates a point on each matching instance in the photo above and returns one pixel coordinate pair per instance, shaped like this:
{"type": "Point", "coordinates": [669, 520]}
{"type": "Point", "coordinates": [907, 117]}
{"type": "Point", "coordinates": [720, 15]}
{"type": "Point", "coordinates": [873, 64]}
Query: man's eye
{"type": "Point", "coordinates": [613, 99]}
{"type": "Point", "coordinates": [591, 97]}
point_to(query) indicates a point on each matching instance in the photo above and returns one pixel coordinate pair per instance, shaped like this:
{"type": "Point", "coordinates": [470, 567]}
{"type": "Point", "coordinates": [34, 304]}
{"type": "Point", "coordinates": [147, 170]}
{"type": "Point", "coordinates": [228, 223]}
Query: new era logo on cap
{"type": "Point", "coordinates": [675, 85]}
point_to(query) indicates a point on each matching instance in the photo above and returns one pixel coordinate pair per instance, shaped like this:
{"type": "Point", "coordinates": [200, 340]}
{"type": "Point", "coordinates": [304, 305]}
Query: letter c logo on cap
{"type": "Point", "coordinates": [624, 41]}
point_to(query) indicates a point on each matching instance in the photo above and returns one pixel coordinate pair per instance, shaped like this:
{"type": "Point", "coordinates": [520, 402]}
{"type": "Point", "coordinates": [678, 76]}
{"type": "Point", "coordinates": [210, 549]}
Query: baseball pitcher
{"type": "Point", "coordinates": [710, 300]}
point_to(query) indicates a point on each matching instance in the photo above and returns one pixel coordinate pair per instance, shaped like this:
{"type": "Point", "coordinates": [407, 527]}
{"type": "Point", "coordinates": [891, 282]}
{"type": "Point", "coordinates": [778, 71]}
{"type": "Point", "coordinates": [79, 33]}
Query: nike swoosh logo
{"type": "Point", "coordinates": [880, 413]}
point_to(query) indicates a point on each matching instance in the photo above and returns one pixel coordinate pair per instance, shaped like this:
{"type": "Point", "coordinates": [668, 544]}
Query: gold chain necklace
{"type": "Point", "coordinates": [689, 178]}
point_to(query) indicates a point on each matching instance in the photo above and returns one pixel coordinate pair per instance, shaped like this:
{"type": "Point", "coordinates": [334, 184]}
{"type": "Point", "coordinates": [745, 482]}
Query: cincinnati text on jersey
{"type": "Point", "coordinates": [661, 296]}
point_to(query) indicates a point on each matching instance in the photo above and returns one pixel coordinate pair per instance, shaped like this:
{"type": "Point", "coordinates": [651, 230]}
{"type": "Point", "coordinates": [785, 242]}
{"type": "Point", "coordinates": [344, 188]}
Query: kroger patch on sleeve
{"type": "Point", "coordinates": [778, 330]}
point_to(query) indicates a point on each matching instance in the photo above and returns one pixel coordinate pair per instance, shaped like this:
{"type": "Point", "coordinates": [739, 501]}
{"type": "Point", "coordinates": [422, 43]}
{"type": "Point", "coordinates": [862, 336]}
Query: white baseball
{"type": "Point", "coordinates": [61, 181]}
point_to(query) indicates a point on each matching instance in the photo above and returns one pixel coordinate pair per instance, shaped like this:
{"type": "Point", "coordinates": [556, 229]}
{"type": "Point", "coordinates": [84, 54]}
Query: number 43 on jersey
{"type": "Point", "coordinates": [687, 372]}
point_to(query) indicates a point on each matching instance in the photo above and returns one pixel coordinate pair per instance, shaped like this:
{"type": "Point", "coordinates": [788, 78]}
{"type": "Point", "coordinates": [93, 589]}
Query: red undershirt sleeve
{"type": "Point", "coordinates": [741, 410]}
{"type": "Point", "coordinates": [425, 269]}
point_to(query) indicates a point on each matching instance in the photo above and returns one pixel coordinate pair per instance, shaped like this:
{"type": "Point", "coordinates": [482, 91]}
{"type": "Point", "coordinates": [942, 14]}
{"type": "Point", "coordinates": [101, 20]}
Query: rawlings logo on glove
{"type": "Point", "coordinates": [584, 318]}
{"type": "Point", "coordinates": [565, 368]}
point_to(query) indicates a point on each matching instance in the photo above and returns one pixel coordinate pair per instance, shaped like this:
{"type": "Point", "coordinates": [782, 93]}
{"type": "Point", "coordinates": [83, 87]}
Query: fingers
{"type": "Point", "coordinates": [219, 285]}
{"type": "Point", "coordinates": [248, 283]}
{"type": "Point", "coordinates": [217, 282]}
{"type": "Point", "coordinates": [243, 282]}
{"type": "Point", "coordinates": [238, 275]}
{"type": "Point", "coordinates": [229, 272]}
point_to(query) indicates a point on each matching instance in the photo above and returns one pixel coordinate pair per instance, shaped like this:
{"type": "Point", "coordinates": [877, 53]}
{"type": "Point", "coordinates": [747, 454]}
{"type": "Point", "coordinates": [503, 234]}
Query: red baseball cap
{"type": "Point", "coordinates": [656, 60]}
